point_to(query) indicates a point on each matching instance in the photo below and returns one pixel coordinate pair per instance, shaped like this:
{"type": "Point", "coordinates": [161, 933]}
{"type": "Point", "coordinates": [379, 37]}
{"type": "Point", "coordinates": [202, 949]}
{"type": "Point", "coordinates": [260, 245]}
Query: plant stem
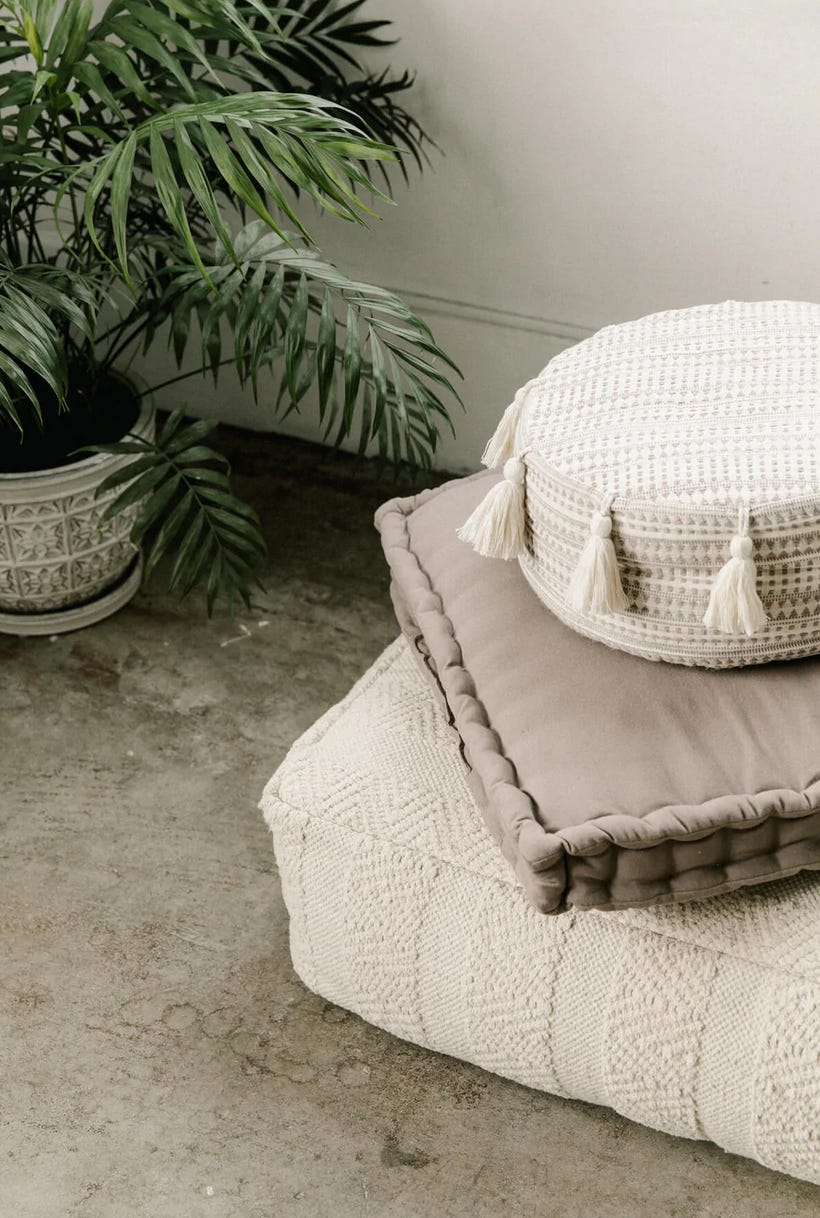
{"type": "Point", "coordinates": [117, 329]}
{"type": "Point", "coordinates": [116, 349]}
{"type": "Point", "coordinates": [184, 376]}
{"type": "Point", "coordinates": [75, 215]}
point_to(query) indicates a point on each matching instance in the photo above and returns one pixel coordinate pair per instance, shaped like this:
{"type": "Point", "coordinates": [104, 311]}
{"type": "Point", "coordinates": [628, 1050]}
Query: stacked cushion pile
{"type": "Point", "coordinates": [659, 487]}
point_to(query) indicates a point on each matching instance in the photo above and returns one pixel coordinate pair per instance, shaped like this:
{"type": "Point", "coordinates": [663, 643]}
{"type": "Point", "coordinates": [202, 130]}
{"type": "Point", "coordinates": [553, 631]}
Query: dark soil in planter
{"type": "Point", "coordinates": [100, 410]}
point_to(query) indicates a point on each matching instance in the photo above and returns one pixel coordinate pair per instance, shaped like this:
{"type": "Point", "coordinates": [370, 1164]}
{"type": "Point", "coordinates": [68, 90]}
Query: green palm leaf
{"type": "Point", "coordinates": [186, 509]}
{"type": "Point", "coordinates": [35, 300]}
{"type": "Point", "coordinates": [289, 304]}
{"type": "Point", "coordinates": [303, 139]}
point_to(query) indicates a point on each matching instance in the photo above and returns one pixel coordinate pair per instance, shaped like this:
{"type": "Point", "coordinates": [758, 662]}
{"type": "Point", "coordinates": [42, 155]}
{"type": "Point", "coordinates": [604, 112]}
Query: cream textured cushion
{"type": "Point", "coordinates": [701, 1020]}
{"type": "Point", "coordinates": [690, 442]}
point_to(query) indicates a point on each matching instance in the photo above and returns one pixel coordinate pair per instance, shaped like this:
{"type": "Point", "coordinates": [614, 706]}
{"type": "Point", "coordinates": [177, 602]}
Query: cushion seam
{"type": "Point", "coordinates": [440, 862]}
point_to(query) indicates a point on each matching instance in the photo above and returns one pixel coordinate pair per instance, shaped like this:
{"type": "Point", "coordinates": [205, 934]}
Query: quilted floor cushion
{"type": "Point", "coordinates": [609, 781]}
{"type": "Point", "coordinates": [700, 1019]}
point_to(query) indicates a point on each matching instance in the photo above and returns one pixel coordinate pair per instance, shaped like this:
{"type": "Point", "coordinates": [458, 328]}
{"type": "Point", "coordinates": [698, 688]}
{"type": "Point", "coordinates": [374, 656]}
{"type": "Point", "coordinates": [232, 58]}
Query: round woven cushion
{"type": "Point", "coordinates": [671, 422]}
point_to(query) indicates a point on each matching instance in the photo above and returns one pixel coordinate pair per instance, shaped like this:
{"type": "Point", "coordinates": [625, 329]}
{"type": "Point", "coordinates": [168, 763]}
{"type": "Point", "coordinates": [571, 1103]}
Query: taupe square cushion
{"type": "Point", "coordinates": [609, 781]}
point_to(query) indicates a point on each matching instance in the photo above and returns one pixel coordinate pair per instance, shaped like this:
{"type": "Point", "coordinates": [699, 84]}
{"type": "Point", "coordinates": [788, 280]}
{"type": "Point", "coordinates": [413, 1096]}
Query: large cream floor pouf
{"type": "Point", "coordinates": [701, 1019]}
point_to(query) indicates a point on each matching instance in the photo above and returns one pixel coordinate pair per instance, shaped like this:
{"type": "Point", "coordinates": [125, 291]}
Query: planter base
{"type": "Point", "coordinates": [60, 621]}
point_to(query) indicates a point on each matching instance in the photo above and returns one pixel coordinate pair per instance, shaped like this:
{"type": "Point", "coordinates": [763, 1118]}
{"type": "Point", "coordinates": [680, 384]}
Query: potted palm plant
{"type": "Point", "coordinates": [156, 164]}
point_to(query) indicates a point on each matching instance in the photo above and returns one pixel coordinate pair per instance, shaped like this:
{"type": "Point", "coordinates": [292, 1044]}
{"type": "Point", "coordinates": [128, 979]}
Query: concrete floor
{"type": "Point", "coordinates": [159, 1057]}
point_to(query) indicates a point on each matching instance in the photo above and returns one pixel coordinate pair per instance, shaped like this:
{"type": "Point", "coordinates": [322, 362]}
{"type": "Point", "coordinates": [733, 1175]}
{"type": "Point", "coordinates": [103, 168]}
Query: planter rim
{"type": "Point", "coordinates": [35, 477]}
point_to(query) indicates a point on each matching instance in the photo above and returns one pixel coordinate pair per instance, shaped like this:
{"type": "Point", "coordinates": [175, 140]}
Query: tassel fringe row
{"type": "Point", "coordinates": [497, 529]}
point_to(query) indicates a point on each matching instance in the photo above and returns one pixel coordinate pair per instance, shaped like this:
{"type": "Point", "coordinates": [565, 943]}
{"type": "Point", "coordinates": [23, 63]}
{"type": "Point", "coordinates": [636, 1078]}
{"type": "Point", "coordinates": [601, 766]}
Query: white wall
{"type": "Point", "coordinates": [604, 158]}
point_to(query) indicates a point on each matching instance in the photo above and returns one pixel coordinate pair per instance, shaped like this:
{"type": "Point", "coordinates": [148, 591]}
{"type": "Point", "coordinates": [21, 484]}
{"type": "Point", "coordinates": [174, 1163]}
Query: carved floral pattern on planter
{"type": "Point", "coordinates": [58, 552]}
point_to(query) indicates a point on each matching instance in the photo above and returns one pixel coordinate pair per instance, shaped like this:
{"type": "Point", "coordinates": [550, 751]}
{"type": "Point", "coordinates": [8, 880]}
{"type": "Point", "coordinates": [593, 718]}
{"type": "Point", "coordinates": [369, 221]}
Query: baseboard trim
{"type": "Point", "coordinates": [427, 303]}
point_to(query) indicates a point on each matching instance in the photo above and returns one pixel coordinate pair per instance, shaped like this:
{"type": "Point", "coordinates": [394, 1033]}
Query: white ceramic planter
{"type": "Point", "coordinates": [61, 566]}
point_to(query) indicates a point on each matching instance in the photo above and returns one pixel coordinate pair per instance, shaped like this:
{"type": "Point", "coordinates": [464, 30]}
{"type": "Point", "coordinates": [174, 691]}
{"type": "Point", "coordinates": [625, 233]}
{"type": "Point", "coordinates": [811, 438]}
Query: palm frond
{"type": "Point", "coordinates": [242, 142]}
{"type": "Point", "coordinates": [38, 304]}
{"type": "Point", "coordinates": [290, 309]}
{"type": "Point", "coordinates": [314, 46]}
{"type": "Point", "coordinates": [186, 509]}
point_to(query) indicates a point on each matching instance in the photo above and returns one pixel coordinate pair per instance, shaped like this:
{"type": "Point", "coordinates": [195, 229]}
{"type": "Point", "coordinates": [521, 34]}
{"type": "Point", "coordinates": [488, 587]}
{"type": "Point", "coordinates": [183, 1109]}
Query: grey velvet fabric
{"type": "Point", "coordinates": [608, 780]}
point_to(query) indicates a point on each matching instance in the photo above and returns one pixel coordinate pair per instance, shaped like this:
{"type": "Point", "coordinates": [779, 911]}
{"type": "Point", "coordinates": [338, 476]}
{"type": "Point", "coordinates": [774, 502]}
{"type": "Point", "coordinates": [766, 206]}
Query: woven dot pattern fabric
{"type": "Point", "coordinates": [694, 405]}
{"type": "Point", "coordinates": [702, 1020]}
{"type": "Point", "coordinates": [679, 424]}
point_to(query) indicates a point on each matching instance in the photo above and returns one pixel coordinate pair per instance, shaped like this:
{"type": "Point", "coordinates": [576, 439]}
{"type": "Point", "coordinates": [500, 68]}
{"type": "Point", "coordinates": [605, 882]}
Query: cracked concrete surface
{"type": "Point", "coordinates": [159, 1057]}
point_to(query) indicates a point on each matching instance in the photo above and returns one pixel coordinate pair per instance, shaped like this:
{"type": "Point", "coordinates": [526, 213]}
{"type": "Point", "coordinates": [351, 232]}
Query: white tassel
{"type": "Point", "coordinates": [497, 527]}
{"type": "Point", "coordinates": [596, 586]}
{"type": "Point", "coordinates": [734, 605]}
{"type": "Point", "coordinates": [502, 444]}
